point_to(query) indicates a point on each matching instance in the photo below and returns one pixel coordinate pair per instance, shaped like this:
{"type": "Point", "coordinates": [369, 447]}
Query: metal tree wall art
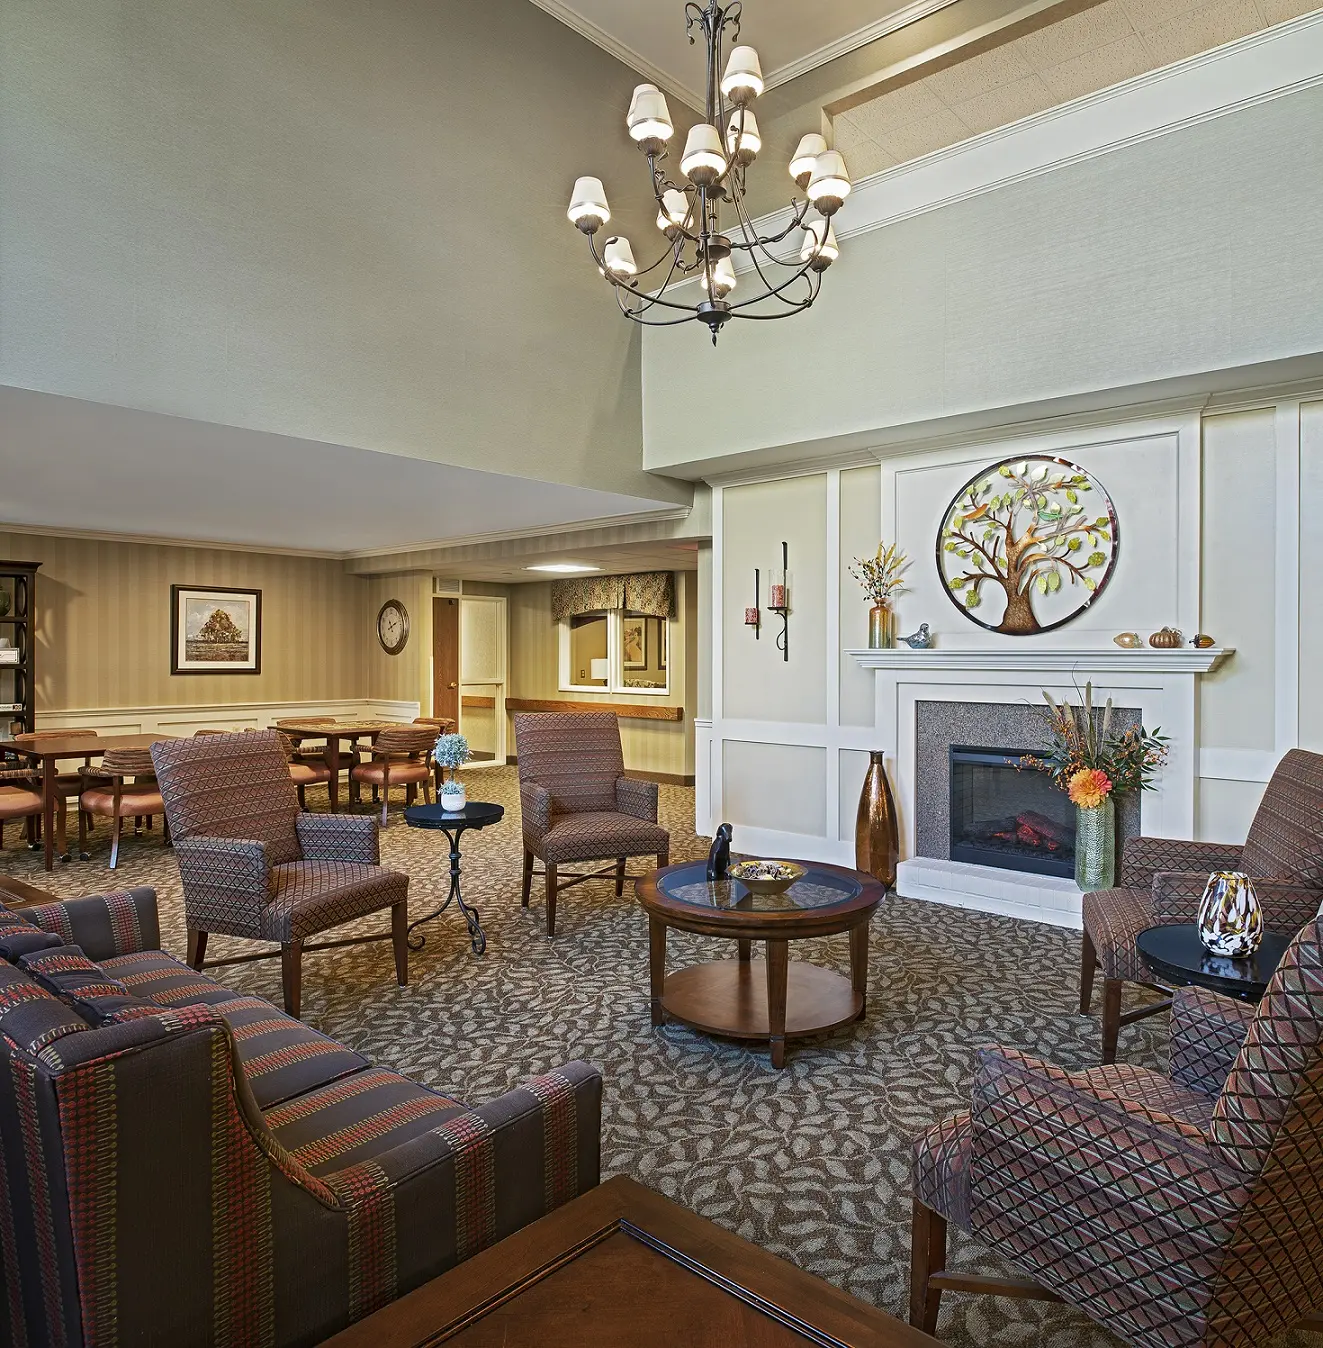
{"type": "Point", "coordinates": [1027, 545]}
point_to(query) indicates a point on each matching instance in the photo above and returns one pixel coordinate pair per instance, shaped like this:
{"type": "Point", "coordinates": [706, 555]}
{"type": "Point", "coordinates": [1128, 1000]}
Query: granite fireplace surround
{"type": "Point", "coordinates": [995, 725]}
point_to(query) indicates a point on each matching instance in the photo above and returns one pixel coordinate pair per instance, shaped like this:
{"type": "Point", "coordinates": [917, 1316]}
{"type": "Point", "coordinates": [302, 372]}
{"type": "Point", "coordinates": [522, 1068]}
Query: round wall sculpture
{"type": "Point", "coordinates": [1027, 544]}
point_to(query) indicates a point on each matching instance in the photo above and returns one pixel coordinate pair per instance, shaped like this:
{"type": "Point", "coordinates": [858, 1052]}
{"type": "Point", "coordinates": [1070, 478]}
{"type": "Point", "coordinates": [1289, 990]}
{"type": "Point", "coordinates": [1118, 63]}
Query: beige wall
{"type": "Point", "coordinates": [406, 677]}
{"type": "Point", "coordinates": [665, 747]}
{"type": "Point", "coordinates": [103, 636]}
{"type": "Point", "coordinates": [338, 221]}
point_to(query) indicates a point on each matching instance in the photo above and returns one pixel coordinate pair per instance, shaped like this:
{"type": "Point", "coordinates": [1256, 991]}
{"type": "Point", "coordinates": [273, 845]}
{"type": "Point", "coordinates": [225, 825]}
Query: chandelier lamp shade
{"type": "Point", "coordinates": [702, 212]}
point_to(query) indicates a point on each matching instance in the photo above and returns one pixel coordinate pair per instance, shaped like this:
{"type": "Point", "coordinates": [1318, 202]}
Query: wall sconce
{"type": "Point", "coordinates": [779, 603]}
{"type": "Point", "coordinates": [753, 616]}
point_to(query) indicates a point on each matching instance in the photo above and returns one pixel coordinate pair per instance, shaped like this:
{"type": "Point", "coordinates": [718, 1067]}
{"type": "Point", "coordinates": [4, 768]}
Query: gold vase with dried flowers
{"type": "Point", "coordinates": [882, 578]}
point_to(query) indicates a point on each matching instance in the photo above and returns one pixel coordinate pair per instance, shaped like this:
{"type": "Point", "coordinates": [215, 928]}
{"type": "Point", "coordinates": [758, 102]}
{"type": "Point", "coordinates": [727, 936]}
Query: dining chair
{"type": "Point", "coordinates": [578, 805]}
{"type": "Point", "coordinates": [306, 768]}
{"type": "Point", "coordinates": [121, 786]}
{"type": "Point", "coordinates": [68, 785]}
{"type": "Point", "coordinates": [19, 800]}
{"type": "Point", "coordinates": [401, 756]}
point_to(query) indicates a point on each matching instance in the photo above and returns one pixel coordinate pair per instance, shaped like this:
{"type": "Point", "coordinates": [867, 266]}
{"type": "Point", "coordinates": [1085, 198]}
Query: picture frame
{"type": "Point", "coordinates": [633, 643]}
{"type": "Point", "coordinates": [215, 630]}
{"type": "Point", "coordinates": [665, 628]}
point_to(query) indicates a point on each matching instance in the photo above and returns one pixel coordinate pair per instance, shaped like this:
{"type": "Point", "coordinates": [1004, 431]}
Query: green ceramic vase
{"type": "Point", "coordinates": [1095, 847]}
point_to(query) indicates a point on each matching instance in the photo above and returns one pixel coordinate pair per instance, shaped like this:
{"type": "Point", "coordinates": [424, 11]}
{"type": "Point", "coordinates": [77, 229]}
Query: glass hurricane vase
{"type": "Point", "coordinates": [1230, 918]}
{"type": "Point", "coordinates": [1095, 847]}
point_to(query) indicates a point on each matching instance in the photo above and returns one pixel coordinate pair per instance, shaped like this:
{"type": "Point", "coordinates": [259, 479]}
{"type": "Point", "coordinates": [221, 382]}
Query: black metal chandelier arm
{"type": "Point", "coordinates": [631, 285]}
{"type": "Point", "coordinates": [755, 245]}
{"type": "Point", "coordinates": [650, 300]}
{"type": "Point", "coordinates": [776, 291]}
{"type": "Point", "coordinates": [792, 306]}
{"type": "Point", "coordinates": [800, 209]}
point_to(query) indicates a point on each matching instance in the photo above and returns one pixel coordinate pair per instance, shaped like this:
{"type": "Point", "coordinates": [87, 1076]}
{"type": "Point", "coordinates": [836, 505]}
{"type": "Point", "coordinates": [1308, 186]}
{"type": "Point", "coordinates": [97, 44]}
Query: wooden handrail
{"type": "Point", "coordinates": [630, 711]}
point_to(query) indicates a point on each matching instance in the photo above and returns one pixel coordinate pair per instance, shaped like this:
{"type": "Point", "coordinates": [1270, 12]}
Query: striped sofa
{"type": "Point", "coordinates": [184, 1164]}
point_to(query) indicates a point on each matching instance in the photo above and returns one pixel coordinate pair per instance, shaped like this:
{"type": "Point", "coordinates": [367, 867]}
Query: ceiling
{"type": "Point", "coordinates": [612, 559]}
{"type": "Point", "coordinates": [1076, 55]}
{"type": "Point", "coordinates": [791, 36]}
{"type": "Point", "coordinates": [85, 467]}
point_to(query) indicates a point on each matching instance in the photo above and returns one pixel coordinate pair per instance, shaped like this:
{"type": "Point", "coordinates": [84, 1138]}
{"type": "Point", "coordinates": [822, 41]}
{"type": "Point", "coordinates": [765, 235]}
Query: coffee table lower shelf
{"type": "Point", "coordinates": [729, 997]}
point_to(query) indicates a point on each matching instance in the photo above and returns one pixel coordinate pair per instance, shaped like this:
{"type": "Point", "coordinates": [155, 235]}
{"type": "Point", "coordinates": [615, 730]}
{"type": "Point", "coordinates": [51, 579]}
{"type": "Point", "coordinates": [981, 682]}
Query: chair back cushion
{"type": "Point", "coordinates": [1286, 838]}
{"type": "Point", "coordinates": [230, 786]}
{"type": "Point", "coordinates": [576, 756]}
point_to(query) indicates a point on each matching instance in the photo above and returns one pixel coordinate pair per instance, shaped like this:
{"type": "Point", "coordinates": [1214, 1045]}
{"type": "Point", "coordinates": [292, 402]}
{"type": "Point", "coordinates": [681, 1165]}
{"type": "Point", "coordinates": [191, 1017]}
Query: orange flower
{"type": "Point", "coordinates": [1088, 788]}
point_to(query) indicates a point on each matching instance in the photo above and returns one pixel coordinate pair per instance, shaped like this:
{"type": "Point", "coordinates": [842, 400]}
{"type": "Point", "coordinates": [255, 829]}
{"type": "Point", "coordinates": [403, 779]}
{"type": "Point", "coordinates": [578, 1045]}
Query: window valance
{"type": "Point", "coordinates": [648, 592]}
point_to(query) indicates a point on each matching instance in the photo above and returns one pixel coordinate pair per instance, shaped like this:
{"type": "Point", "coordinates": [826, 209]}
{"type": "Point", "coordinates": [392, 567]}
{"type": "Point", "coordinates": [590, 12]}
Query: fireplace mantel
{"type": "Point", "coordinates": [1037, 659]}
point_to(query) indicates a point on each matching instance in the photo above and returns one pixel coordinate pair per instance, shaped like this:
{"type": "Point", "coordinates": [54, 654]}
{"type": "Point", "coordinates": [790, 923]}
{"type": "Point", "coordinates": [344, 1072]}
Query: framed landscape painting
{"type": "Point", "coordinates": [215, 631]}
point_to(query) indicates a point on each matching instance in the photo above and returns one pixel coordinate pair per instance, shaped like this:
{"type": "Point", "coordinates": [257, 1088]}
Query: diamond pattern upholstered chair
{"type": "Point", "coordinates": [1174, 1210]}
{"type": "Point", "coordinates": [1162, 881]}
{"type": "Point", "coordinates": [255, 865]}
{"type": "Point", "coordinates": [400, 757]}
{"type": "Point", "coordinates": [577, 803]}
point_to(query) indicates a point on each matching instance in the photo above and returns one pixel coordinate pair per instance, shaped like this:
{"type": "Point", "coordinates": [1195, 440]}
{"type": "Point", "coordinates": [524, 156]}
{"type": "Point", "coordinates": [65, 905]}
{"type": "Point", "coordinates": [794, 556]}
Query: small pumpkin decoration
{"type": "Point", "coordinates": [1165, 640]}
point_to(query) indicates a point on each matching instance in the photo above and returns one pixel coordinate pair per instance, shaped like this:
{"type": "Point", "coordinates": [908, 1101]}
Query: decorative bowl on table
{"type": "Point", "coordinates": [766, 877]}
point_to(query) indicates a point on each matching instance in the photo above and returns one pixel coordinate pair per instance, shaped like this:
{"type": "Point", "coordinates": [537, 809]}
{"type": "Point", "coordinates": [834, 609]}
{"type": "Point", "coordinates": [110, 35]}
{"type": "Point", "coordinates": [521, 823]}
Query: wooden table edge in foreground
{"type": "Point", "coordinates": [798, 1301]}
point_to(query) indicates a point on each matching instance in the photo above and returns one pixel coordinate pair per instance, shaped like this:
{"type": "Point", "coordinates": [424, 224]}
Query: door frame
{"type": "Point", "coordinates": [501, 683]}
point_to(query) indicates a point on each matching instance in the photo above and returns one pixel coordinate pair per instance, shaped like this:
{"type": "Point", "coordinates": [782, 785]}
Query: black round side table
{"type": "Point", "coordinates": [476, 814]}
{"type": "Point", "coordinates": [1176, 954]}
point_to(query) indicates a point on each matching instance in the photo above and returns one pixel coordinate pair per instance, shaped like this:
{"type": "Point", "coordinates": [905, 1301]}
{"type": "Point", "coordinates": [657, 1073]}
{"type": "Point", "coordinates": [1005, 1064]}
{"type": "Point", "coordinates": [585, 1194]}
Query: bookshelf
{"type": "Point", "coordinates": [18, 682]}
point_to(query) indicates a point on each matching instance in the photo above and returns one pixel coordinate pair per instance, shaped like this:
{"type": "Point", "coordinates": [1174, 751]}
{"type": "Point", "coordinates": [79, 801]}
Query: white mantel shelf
{"type": "Point", "coordinates": [1036, 659]}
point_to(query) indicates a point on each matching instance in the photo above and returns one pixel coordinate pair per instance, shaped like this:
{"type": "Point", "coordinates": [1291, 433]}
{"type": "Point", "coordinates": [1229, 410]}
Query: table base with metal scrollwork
{"type": "Point", "coordinates": [476, 814]}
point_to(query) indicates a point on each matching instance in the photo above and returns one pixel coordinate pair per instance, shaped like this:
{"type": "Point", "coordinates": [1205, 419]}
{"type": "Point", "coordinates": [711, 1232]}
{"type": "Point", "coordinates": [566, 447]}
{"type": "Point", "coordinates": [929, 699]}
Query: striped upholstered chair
{"type": "Point", "coordinates": [1182, 1209]}
{"type": "Point", "coordinates": [577, 804]}
{"type": "Point", "coordinates": [254, 865]}
{"type": "Point", "coordinates": [1162, 881]}
{"type": "Point", "coordinates": [182, 1164]}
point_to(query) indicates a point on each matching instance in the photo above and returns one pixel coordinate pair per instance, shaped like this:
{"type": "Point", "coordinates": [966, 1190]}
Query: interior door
{"type": "Point", "coordinates": [445, 658]}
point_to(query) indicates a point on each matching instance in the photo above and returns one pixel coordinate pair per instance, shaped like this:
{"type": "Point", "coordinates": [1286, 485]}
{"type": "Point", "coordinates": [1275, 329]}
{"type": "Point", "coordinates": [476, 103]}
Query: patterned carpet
{"type": "Point", "coordinates": [812, 1162]}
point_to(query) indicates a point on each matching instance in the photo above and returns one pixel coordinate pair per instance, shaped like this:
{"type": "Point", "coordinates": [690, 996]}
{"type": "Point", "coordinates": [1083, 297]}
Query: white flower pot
{"type": "Point", "coordinates": [454, 796]}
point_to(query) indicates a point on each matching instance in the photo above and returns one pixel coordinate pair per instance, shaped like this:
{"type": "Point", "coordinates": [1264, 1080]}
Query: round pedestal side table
{"type": "Point", "coordinates": [776, 999]}
{"type": "Point", "coordinates": [1177, 956]}
{"type": "Point", "coordinates": [476, 814]}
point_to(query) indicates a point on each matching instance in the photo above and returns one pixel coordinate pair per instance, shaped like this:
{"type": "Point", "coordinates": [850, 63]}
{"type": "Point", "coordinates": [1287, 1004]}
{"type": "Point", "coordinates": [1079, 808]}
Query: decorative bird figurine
{"type": "Point", "coordinates": [919, 640]}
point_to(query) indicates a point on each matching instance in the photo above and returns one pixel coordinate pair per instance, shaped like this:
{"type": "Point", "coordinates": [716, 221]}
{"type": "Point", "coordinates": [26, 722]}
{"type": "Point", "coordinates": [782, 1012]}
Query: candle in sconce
{"type": "Point", "coordinates": [778, 596]}
{"type": "Point", "coordinates": [751, 617]}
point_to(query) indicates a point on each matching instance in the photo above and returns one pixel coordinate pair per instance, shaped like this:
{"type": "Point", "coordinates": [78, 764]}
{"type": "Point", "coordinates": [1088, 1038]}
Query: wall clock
{"type": "Point", "coordinates": [392, 626]}
{"type": "Point", "coordinates": [1027, 544]}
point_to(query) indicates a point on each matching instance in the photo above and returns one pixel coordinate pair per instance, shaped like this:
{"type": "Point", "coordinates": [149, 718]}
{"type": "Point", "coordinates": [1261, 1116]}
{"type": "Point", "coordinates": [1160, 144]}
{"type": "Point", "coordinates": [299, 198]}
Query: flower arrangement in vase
{"type": "Point", "coordinates": [882, 578]}
{"type": "Point", "coordinates": [450, 754]}
{"type": "Point", "coordinates": [1093, 765]}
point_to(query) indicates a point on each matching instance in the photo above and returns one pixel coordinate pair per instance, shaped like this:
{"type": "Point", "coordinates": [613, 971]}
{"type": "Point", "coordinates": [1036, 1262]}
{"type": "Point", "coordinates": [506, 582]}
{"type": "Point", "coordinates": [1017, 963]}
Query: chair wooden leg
{"type": "Point", "coordinates": [551, 898]}
{"type": "Point", "coordinates": [620, 876]}
{"type": "Point", "coordinates": [1088, 966]}
{"type": "Point", "coordinates": [291, 976]}
{"type": "Point", "coordinates": [62, 828]}
{"type": "Point", "coordinates": [427, 790]}
{"type": "Point", "coordinates": [663, 859]}
{"type": "Point", "coordinates": [197, 948]}
{"type": "Point", "coordinates": [1111, 1018]}
{"type": "Point", "coordinates": [303, 798]}
{"type": "Point", "coordinates": [166, 836]}
{"type": "Point", "coordinates": [385, 805]}
{"type": "Point", "coordinates": [30, 828]}
{"type": "Point", "coordinates": [927, 1256]}
{"type": "Point", "coordinates": [399, 935]}
{"type": "Point", "coordinates": [83, 819]}
{"type": "Point", "coordinates": [116, 828]}
{"type": "Point", "coordinates": [528, 878]}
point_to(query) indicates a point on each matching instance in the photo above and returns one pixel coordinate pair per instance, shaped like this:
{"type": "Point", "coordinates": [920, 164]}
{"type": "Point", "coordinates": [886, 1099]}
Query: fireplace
{"type": "Point", "coordinates": [1007, 816]}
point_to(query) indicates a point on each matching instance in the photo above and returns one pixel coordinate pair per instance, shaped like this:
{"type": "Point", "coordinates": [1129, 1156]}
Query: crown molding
{"type": "Point", "coordinates": [1273, 63]}
{"type": "Point", "coordinates": [626, 55]}
{"type": "Point", "coordinates": [861, 37]}
{"type": "Point", "coordinates": [166, 541]}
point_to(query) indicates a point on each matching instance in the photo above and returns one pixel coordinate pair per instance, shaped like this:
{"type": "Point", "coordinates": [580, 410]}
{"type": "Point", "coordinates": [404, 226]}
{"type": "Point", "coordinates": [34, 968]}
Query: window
{"type": "Point", "coordinates": [615, 652]}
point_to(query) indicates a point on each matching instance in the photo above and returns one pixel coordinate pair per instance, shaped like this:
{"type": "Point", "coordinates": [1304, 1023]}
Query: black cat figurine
{"type": "Point", "coordinates": [719, 857]}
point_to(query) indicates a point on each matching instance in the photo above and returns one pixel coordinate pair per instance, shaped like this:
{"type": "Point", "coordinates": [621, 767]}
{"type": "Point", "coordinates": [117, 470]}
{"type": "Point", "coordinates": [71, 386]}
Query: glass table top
{"type": "Point", "coordinates": [818, 889]}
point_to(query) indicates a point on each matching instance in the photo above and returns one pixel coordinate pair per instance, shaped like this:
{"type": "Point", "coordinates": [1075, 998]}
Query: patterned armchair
{"type": "Point", "coordinates": [1175, 1210]}
{"type": "Point", "coordinates": [254, 865]}
{"type": "Point", "coordinates": [577, 803]}
{"type": "Point", "coordinates": [182, 1164]}
{"type": "Point", "coordinates": [1162, 881]}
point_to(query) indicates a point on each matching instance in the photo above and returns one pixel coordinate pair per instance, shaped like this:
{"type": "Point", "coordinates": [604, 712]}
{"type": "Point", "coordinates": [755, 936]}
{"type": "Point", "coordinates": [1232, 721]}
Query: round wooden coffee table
{"type": "Point", "coordinates": [774, 999]}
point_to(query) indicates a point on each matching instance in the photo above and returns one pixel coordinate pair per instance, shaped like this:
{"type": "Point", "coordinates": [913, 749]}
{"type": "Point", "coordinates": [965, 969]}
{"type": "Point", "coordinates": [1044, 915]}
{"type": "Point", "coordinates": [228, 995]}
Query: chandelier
{"type": "Point", "coordinates": [717, 156]}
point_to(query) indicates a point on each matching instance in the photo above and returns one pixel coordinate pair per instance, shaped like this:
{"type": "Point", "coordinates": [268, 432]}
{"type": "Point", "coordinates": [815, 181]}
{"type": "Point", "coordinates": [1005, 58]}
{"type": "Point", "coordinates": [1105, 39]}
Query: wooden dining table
{"type": "Point", "coordinates": [334, 733]}
{"type": "Point", "coordinates": [48, 750]}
